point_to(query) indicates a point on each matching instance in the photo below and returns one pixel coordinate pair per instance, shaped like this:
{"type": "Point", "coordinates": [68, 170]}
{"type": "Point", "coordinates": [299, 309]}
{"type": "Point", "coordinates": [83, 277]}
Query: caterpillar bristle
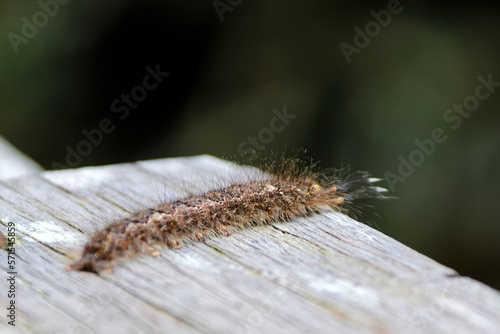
{"type": "Point", "coordinates": [286, 188]}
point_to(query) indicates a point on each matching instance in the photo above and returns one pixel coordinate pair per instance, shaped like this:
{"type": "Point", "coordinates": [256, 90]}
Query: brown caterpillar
{"type": "Point", "coordinates": [281, 193]}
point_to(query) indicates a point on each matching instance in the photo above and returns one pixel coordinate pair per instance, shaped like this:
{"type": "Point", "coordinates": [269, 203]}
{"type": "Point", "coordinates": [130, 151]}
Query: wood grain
{"type": "Point", "coordinates": [321, 274]}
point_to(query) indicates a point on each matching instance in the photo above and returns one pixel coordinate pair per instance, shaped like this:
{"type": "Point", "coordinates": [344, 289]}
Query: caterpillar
{"type": "Point", "coordinates": [280, 191]}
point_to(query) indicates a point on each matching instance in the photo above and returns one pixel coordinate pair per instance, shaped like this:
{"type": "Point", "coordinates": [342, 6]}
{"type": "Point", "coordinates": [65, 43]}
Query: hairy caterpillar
{"type": "Point", "coordinates": [282, 190]}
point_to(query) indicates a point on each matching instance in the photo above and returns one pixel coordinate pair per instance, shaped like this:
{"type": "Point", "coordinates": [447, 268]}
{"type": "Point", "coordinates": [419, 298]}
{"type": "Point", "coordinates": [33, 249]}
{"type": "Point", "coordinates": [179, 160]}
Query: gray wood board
{"type": "Point", "coordinates": [321, 274]}
{"type": "Point", "coordinates": [15, 163]}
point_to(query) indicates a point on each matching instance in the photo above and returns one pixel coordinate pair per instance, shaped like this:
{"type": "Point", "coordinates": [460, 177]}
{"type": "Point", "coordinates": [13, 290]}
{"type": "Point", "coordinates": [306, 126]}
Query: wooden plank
{"type": "Point", "coordinates": [323, 274]}
{"type": "Point", "coordinates": [14, 163]}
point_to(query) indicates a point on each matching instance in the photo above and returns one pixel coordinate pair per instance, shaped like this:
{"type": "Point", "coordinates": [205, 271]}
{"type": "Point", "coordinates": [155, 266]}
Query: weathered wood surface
{"type": "Point", "coordinates": [322, 274]}
{"type": "Point", "coordinates": [14, 163]}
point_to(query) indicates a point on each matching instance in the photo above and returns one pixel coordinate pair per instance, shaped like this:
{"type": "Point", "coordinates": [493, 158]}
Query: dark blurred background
{"type": "Point", "coordinates": [231, 63]}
